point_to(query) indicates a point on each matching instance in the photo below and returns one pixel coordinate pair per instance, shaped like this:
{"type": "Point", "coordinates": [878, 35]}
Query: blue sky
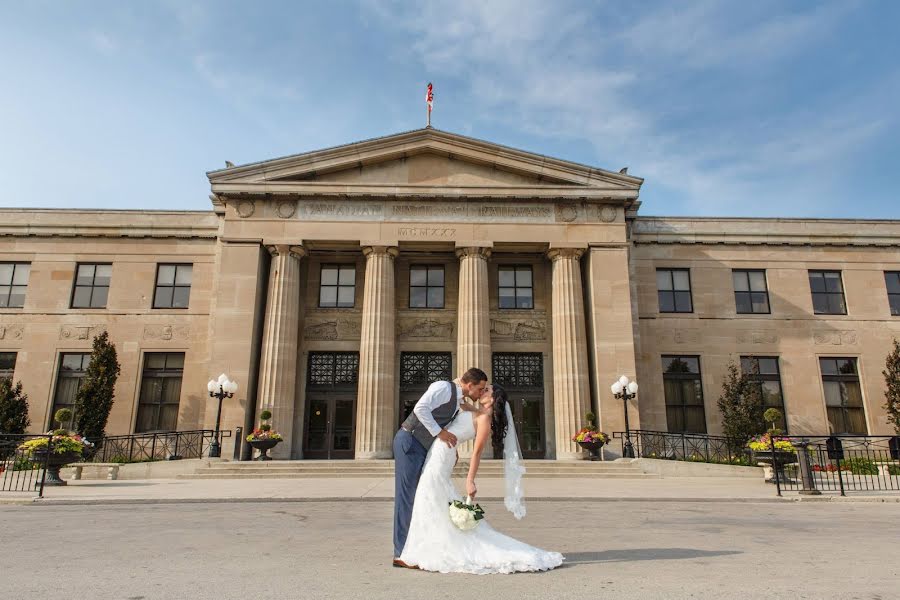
{"type": "Point", "coordinates": [765, 108]}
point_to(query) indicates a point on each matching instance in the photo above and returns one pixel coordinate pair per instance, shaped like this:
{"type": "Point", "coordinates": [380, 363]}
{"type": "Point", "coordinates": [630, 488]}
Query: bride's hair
{"type": "Point", "coordinates": [499, 422]}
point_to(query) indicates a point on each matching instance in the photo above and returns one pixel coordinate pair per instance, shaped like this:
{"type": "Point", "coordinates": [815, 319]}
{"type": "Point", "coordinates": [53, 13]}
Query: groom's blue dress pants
{"type": "Point", "coordinates": [409, 458]}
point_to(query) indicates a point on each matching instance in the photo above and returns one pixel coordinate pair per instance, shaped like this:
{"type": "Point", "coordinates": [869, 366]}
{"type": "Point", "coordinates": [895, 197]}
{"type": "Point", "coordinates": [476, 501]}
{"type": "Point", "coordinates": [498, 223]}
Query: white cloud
{"type": "Point", "coordinates": [555, 70]}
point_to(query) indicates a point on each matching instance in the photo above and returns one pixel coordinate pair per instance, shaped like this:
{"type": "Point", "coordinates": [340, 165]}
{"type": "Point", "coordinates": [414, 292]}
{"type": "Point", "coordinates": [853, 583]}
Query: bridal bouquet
{"type": "Point", "coordinates": [465, 515]}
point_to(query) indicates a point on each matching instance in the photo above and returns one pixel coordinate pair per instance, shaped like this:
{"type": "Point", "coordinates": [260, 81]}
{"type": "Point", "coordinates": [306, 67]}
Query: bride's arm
{"type": "Point", "coordinates": [482, 435]}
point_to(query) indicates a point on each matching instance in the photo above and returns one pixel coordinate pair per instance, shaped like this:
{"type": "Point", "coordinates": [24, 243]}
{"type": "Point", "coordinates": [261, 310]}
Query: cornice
{"type": "Point", "coordinates": [69, 223]}
{"type": "Point", "coordinates": [760, 231]}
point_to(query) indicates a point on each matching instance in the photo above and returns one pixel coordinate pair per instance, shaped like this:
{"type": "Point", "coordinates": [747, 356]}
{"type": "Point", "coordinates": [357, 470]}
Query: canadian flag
{"type": "Point", "coordinates": [429, 97]}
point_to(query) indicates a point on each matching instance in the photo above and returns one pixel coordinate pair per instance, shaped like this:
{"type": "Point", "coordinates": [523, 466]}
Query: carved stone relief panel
{"type": "Point", "coordinates": [166, 332]}
{"type": "Point", "coordinates": [425, 328]}
{"type": "Point", "coordinates": [80, 332]}
{"type": "Point", "coordinates": [835, 338]}
{"type": "Point", "coordinates": [340, 328]}
{"type": "Point", "coordinates": [757, 337]}
{"type": "Point", "coordinates": [519, 326]}
{"type": "Point", "coordinates": [11, 332]}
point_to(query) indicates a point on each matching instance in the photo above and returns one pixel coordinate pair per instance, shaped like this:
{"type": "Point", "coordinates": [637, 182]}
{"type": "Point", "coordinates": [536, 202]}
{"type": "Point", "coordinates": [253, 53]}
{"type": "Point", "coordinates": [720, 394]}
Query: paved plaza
{"type": "Point", "coordinates": [341, 549]}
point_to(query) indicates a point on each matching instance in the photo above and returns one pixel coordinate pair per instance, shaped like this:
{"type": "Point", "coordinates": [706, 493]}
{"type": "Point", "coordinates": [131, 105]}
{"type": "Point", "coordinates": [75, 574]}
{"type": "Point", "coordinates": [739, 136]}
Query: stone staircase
{"type": "Point", "coordinates": [491, 469]}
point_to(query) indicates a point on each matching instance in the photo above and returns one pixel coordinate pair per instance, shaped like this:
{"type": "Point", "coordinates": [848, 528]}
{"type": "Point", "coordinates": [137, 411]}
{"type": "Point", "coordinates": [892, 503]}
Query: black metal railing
{"type": "Point", "coordinates": [149, 447]}
{"type": "Point", "coordinates": [692, 447]}
{"type": "Point", "coordinates": [837, 463]}
{"type": "Point", "coordinates": [21, 470]}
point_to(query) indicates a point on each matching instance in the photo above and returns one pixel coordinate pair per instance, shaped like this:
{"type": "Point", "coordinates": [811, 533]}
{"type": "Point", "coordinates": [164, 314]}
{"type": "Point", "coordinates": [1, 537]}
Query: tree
{"type": "Point", "coordinates": [95, 396]}
{"type": "Point", "coordinates": [892, 393]}
{"type": "Point", "coordinates": [741, 405]}
{"type": "Point", "coordinates": [13, 407]}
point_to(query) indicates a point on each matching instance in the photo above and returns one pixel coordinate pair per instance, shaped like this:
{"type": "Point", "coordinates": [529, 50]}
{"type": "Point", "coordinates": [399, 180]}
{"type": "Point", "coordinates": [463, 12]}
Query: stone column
{"type": "Point", "coordinates": [278, 365]}
{"type": "Point", "coordinates": [375, 410]}
{"type": "Point", "coordinates": [571, 397]}
{"type": "Point", "coordinates": [473, 336]}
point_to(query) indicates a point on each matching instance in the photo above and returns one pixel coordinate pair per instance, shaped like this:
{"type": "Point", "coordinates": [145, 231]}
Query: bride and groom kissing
{"type": "Point", "coordinates": [424, 457]}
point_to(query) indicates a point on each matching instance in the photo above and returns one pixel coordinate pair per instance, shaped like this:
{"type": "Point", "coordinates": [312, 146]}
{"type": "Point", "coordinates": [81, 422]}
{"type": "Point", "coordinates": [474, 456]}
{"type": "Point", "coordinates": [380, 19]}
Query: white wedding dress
{"type": "Point", "coordinates": [434, 543]}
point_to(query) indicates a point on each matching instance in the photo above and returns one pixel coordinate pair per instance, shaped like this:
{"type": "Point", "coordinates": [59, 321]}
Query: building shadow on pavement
{"type": "Point", "coordinates": [635, 554]}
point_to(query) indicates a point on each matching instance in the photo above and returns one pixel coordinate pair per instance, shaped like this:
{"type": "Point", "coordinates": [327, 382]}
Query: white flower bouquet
{"type": "Point", "coordinates": [465, 515]}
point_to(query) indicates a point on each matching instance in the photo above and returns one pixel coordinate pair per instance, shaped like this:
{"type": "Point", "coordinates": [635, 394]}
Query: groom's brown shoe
{"type": "Point", "coordinates": [402, 565]}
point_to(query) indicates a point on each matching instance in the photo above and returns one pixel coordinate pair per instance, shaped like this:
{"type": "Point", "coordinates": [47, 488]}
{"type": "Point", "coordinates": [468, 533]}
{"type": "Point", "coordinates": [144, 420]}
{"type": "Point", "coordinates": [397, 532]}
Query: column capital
{"type": "Point", "coordinates": [285, 249]}
{"type": "Point", "coordinates": [391, 251]}
{"type": "Point", "coordinates": [480, 251]}
{"type": "Point", "coordinates": [570, 253]}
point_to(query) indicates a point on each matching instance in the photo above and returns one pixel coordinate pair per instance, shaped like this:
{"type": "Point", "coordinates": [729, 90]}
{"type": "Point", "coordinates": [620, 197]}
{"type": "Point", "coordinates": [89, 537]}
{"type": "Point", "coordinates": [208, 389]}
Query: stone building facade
{"type": "Point", "coordinates": [333, 286]}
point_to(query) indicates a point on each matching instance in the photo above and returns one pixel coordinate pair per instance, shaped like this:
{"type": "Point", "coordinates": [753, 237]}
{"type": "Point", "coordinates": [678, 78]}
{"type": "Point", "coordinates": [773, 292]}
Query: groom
{"type": "Point", "coordinates": [432, 414]}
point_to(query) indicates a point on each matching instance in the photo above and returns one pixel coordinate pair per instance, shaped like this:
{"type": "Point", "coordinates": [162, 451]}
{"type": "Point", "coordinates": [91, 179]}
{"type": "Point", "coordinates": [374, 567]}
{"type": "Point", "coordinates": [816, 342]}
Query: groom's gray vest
{"type": "Point", "coordinates": [443, 415]}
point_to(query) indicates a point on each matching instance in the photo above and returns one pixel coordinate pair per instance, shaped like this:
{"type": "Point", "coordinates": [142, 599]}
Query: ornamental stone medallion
{"type": "Point", "coordinates": [245, 208]}
{"type": "Point", "coordinates": [286, 208]}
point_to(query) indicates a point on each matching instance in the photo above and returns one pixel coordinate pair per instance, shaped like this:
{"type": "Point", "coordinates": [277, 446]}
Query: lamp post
{"type": "Point", "coordinates": [220, 388]}
{"type": "Point", "coordinates": [626, 390]}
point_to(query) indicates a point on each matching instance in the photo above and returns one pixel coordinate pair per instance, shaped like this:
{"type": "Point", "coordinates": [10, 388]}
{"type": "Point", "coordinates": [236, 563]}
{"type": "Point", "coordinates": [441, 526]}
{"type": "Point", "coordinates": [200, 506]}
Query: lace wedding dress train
{"type": "Point", "coordinates": [434, 543]}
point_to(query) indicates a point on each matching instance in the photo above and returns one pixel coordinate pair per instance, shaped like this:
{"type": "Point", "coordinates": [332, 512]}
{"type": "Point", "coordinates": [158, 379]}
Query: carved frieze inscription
{"type": "Point", "coordinates": [374, 210]}
{"type": "Point", "coordinates": [430, 232]}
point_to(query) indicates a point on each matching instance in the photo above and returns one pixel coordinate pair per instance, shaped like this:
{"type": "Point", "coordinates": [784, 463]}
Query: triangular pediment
{"type": "Point", "coordinates": [425, 157]}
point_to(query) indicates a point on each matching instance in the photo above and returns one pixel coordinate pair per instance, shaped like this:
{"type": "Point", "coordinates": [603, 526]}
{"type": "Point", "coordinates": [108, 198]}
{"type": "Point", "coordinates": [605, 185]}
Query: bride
{"type": "Point", "coordinates": [434, 543]}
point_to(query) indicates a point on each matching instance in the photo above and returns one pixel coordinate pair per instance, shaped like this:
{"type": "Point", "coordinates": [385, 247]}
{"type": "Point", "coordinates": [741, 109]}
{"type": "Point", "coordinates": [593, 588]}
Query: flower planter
{"type": "Point", "coordinates": [776, 462]}
{"type": "Point", "coordinates": [264, 446]}
{"type": "Point", "coordinates": [593, 448]}
{"type": "Point", "coordinates": [54, 463]}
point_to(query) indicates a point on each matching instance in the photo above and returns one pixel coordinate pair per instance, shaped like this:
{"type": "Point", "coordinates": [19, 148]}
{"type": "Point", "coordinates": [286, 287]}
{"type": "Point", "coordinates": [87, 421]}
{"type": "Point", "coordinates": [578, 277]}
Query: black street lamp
{"type": "Point", "coordinates": [626, 391]}
{"type": "Point", "coordinates": [220, 388]}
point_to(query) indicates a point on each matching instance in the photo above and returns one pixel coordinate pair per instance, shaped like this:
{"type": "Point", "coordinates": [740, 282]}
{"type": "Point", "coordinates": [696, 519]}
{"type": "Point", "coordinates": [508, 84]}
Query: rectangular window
{"type": "Point", "coordinates": [684, 394]}
{"type": "Point", "coordinates": [764, 370]}
{"type": "Point", "coordinates": [173, 286]}
{"type": "Point", "coordinates": [160, 392]}
{"type": "Point", "coordinates": [426, 286]}
{"type": "Point", "coordinates": [337, 287]}
{"type": "Point", "coordinates": [13, 283]}
{"type": "Point", "coordinates": [516, 287]}
{"type": "Point", "coordinates": [843, 396]}
{"type": "Point", "coordinates": [750, 292]}
{"type": "Point", "coordinates": [892, 281]}
{"type": "Point", "coordinates": [72, 369]}
{"type": "Point", "coordinates": [91, 285]}
{"type": "Point", "coordinates": [674, 288]}
{"type": "Point", "coordinates": [7, 365]}
{"type": "Point", "coordinates": [827, 293]}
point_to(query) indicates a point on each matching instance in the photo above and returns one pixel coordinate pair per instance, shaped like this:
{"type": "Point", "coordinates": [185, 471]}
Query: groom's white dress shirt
{"type": "Point", "coordinates": [438, 393]}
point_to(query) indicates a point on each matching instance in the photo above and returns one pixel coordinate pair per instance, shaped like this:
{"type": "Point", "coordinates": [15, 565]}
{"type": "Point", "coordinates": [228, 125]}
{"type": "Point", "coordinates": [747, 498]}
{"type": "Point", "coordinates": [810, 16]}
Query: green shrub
{"type": "Point", "coordinates": [861, 466]}
{"type": "Point", "coordinates": [13, 407]}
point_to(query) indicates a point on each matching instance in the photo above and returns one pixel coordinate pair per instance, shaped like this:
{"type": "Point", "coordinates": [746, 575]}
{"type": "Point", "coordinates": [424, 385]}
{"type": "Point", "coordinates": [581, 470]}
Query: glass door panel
{"type": "Point", "coordinates": [317, 429]}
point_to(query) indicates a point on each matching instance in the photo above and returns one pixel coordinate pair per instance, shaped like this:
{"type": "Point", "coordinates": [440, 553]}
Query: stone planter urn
{"type": "Point", "coordinates": [593, 448]}
{"type": "Point", "coordinates": [771, 463]}
{"type": "Point", "coordinates": [54, 463]}
{"type": "Point", "coordinates": [264, 446]}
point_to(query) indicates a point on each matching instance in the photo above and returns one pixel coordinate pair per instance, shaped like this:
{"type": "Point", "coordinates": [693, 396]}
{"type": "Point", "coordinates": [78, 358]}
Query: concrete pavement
{"type": "Point", "coordinates": [624, 550]}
